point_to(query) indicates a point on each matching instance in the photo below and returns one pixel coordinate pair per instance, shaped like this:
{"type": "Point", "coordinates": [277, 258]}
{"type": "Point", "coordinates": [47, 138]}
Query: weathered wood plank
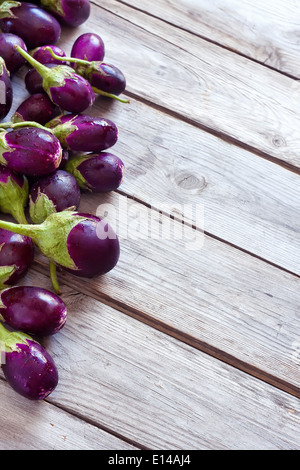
{"type": "Point", "coordinates": [27, 425]}
{"type": "Point", "coordinates": [140, 383]}
{"type": "Point", "coordinates": [202, 291]}
{"type": "Point", "coordinates": [247, 201]}
{"type": "Point", "coordinates": [222, 92]}
{"type": "Point", "coordinates": [264, 31]}
{"type": "Point", "coordinates": [175, 167]}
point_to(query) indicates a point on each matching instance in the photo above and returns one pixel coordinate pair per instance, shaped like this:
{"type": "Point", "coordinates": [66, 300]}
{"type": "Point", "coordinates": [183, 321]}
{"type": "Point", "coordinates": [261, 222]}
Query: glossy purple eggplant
{"type": "Point", "coordinates": [27, 366]}
{"type": "Point", "coordinates": [83, 133]}
{"type": "Point", "coordinates": [16, 257]}
{"type": "Point", "coordinates": [34, 81]}
{"type": "Point", "coordinates": [65, 88]}
{"type": "Point", "coordinates": [97, 172]}
{"type": "Point", "coordinates": [83, 244]}
{"type": "Point", "coordinates": [72, 13]}
{"type": "Point", "coordinates": [32, 23]}
{"type": "Point", "coordinates": [30, 151]}
{"type": "Point", "coordinates": [13, 59]}
{"type": "Point", "coordinates": [6, 90]}
{"type": "Point", "coordinates": [42, 54]}
{"type": "Point", "coordinates": [33, 310]}
{"type": "Point", "coordinates": [105, 79]}
{"type": "Point", "coordinates": [38, 108]}
{"type": "Point", "coordinates": [88, 46]}
{"type": "Point", "coordinates": [14, 194]}
{"type": "Point", "coordinates": [53, 193]}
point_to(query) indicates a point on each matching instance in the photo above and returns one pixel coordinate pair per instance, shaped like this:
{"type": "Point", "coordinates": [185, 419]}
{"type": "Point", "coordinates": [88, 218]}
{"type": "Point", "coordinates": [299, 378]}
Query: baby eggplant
{"type": "Point", "coordinates": [83, 244]}
{"type": "Point", "coordinates": [84, 133]}
{"type": "Point", "coordinates": [33, 310]}
{"type": "Point", "coordinates": [42, 54]}
{"type": "Point", "coordinates": [27, 366]}
{"type": "Point", "coordinates": [65, 88]}
{"type": "Point", "coordinates": [38, 108]}
{"type": "Point", "coordinates": [88, 46]}
{"type": "Point", "coordinates": [33, 24]}
{"type": "Point", "coordinates": [14, 194]}
{"type": "Point", "coordinates": [106, 79]}
{"type": "Point", "coordinates": [53, 193]}
{"type": "Point", "coordinates": [98, 172]}
{"type": "Point", "coordinates": [16, 257]}
{"type": "Point", "coordinates": [13, 59]}
{"type": "Point", "coordinates": [30, 151]}
{"type": "Point", "coordinates": [69, 12]}
{"type": "Point", "coordinates": [6, 90]}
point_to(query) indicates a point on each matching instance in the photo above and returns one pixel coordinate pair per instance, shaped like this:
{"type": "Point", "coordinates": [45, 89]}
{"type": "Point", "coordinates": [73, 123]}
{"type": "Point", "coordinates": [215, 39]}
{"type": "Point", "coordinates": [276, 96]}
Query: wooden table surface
{"type": "Point", "coordinates": [192, 341]}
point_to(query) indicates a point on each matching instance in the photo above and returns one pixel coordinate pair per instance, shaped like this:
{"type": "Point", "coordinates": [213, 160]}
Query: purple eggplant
{"type": "Point", "coordinates": [34, 81]}
{"type": "Point", "coordinates": [53, 193]}
{"type": "Point", "coordinates": [65, 88]}
{"type": "Point", "coordinates": [14, 194]}
{"type": "Point", "coordinates": [82, 244]}
{"type": "Point", "coordinates": [38, 108]}
{"type": "Point", "coordinates": [28, 368]}
{"type": "Point", "coordinates": [32, 23]}
{"type": "Point", "coordinates": [88, 46]}
{"type": "Point", "coordinates": [69, 12]}
{"type": "Point", "coordinates": [33, 310]}
{"type": "Point", "coordinates": [6, 90]}
{"type": "Point", "coordinates": [42, 54]}
{"type": "Point", "coordinates": [105, 79]}
{"type": "Point", "coordinates": [13, 59]}
{"type": "Point", "coordinates": [30, 151]}
{"type": "Point", "coordinates": [83, 133]}
{"type": "Point", "coordinates": [16, 257]}
{"type": "Point", "coordinates": [98, 172]}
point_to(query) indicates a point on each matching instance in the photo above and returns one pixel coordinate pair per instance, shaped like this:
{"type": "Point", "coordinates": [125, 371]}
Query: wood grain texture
{"type": "Point", "coordinates": [245, 27]}
{"type": "Point", "coordinates": [176, 167]}
{"type": "Point", "coordinates": [222, 92]}
{"type": "Point", "coordinates": [27, 425]}
{"type": "Point", "coordinates": [123, 375]}
{"type": "Point", "coordinates": [211, 295]}
{"type": "Point", "coordinates": [188, 342]}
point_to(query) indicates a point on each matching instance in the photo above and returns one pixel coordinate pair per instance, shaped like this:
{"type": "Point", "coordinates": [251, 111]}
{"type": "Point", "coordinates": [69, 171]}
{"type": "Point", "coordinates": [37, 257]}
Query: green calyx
{"type": "Point", "coordinates": [86, 69]}
{"type": "Point", "coordinates": [54, 5]}
{"type": "Point", "coordinates": [41, 208]}
{"type": "Point", "coordinates": [6, 7]}
{"type": "Point", "coordinates": [9, 340]}
{"type": "Point", "coordinates": [54, 77]}
{"type": "Point", "coordinates": [62, 130]}
{"type": "Point", "coordinates": [14, 198]}
{"type": "Point", "coordinates": [4, 147]}
{"type": "Point", "coordinates": [5, 273]}
{"type": "Point", "coordinates": [51, 235]}
{"type": "Point", "coordinates": [72, 167]}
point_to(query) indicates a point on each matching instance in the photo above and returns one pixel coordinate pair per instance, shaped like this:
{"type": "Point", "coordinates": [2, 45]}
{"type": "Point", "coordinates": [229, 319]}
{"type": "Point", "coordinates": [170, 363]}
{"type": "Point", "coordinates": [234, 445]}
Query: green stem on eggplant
{"type": "Point", "coordinates": [85, 62]}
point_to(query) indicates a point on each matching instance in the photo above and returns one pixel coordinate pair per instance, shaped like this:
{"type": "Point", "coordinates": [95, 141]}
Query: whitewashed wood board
{"type": "Point", "coordinates": [222, 92]}
{"type": "Point", "coordinates": [201, 290]}
{"type": "Point", "coordinates": [267, 31]}
{"type": "Point", "coordinates": [28, 425]}
{"type": "Point", "coordinates": [137, 382]}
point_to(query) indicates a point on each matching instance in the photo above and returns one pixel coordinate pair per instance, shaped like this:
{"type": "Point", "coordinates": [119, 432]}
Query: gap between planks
{"type": "Point", "coordinates": [266, 149]}
{"type": "Point", "coordinates": [221, 135]}
{"type": "Point", "coordinates": [204, 232]}
{"type": "Point", "coordinates": [187, 339]}
{"type": "Point", "coordinates": [205, 38]}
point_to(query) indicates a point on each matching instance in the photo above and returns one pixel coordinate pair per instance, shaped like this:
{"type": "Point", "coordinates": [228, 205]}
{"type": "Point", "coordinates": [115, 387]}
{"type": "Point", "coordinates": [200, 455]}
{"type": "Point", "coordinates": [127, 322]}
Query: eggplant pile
{"type": "Point", "coordinates": [51, 150]}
